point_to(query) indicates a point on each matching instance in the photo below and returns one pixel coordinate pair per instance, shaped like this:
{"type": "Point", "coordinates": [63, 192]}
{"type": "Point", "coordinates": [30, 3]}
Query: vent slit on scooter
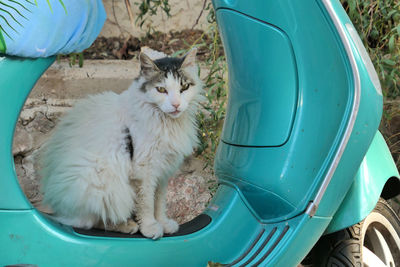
{"type": "Point", "coordinates": [273, 246]}
{"type": "Point", "coordinates": [248, 250]}
{"type": "Point", "coordinates": [260, 248]}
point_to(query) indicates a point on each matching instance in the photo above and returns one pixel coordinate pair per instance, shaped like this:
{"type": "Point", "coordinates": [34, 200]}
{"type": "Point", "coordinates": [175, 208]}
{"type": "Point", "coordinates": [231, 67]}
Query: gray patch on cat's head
{"type": "Point", "coordinates": [150, 81]}
{"type": "Point", "coordinates": [155, 71]}
{"type": "Point", "coordinates": [169, 65]}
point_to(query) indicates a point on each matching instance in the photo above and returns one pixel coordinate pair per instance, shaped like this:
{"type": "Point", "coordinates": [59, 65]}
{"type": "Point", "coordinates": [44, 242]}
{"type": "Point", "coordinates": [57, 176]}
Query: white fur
{"type": "Point", "coordinates": [88, 176]}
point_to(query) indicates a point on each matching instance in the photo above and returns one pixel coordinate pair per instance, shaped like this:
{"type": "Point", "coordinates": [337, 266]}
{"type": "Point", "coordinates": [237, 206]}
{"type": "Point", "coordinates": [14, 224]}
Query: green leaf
{"type": "Point", "coordinates": [81, 60]}
{"type": "Point", "coordinates": [352, 6]}
{"type": "Point", "coordinates": [1, 16]}
{"type": "Point", "coordinates": [62, 3]}
{"type": "Point", "coordinates": [3, 46]}
{"type": "Point", "coordinates": [48, 2]}
{"type": "Point", "coordinates": [389, 62]}
{"type": "Point", "coordinates": [391, 43]}
{"type": "Point", "coordinates": [6, 11]}
{"type": "Point", "coordinates": [21, 5]}
{"type": "Point", "coordinates": [1, 29]}
{"type": "Point", "coordinates": [30, 2]}
{"type": "Point", "coordinates": [178, 53]}
{"type": "Point", "coordinates": [72, 59]}
{"type": "Point", "coordinates": [16, 10]}
{"type": "Point", "coordinates": [51, 9]}
{"type": "Point", "coordinates": [391, 13]}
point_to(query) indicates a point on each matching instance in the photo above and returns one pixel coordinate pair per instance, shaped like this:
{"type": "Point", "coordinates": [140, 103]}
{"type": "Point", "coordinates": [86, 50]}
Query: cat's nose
{"type": "Point", "coordinates": [176, 105]}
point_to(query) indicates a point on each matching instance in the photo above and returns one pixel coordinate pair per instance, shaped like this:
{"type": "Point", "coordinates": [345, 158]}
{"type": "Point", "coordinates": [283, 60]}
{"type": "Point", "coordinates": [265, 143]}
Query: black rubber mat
{"type": "Point", "coordinates": [190, 227]}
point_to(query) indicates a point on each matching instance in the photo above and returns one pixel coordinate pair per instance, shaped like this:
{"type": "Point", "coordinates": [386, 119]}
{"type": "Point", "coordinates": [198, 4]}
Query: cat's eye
{"type": "Point", "coordinates": [161, 90]}
{"type": "Point", "coordinates": [184, 87]}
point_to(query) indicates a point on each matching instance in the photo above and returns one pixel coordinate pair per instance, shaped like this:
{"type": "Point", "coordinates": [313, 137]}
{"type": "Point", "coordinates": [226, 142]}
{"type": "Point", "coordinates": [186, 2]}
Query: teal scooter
{"type": "Point", "coordinates": [303, 170]}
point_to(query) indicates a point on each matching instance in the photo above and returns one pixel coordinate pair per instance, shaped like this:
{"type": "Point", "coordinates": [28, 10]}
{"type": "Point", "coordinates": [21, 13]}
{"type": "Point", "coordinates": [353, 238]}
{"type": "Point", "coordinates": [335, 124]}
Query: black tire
{"type": "Point", "coordinates": [353, 246]}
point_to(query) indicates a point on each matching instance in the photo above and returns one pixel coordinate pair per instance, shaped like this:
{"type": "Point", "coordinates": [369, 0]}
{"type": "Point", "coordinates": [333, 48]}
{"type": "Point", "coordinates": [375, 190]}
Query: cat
{"type": "Point", "coordinates": [110, 157]}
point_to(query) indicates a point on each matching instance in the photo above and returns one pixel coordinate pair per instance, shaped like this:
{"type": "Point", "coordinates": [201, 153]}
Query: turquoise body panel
{"type": "Point", "coordinates": [322, 73]}
{"type": "Point", "coordinates": [263, 98]}
{"type": "Point", "coordinates": [18, 76]}
{"type": "Point", "coordinates": [291, 100]}
{"type": "Point", "coordinates": [364, 130]}
{"type": "Point", "coordinates": [376, 167]}
{"type": "Point", "coordinates": [290, 175]}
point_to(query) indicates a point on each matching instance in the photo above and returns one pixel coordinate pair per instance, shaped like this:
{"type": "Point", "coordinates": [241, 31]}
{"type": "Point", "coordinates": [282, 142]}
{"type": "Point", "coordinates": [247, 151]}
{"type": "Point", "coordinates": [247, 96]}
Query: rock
{"type": "Point", "coordinates": [25, 169]}
{"type": "Point", "coordinates": [188, 192]}
{"type": "Point", "coordinates": [23, 140]}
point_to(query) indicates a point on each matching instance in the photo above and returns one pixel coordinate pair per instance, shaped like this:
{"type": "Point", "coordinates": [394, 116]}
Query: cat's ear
{"type": "Point", "coordinates": [190, 59]}
{"type": "Point", "coordinates": [147, 66]}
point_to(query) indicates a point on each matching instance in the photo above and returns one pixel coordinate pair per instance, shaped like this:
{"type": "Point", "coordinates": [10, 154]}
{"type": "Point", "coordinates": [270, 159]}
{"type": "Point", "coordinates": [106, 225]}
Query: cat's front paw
{"type": "Point", "coordinates": [129, 227]}
{"type": "Point", "coordinates": [170, 226]}
{"type": "Point", "coordinates": [152, 229]}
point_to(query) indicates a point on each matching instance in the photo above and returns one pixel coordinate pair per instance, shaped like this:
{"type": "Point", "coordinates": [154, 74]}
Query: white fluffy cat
{"type": "Point", "coordinates": [111, 155]}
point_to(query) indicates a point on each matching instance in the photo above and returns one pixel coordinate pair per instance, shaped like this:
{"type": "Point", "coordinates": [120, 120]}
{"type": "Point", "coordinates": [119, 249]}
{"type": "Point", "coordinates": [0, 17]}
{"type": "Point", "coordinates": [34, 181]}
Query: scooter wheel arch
{"type": "Point", "coordinates": [373, 242]}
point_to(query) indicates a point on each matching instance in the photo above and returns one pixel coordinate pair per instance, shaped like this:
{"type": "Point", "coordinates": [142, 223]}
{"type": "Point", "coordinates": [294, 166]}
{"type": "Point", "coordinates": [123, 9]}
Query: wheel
{"type": "Point", "coordinates": [381, 232]}
{"type": "Point", "coordinates": [374, 242]}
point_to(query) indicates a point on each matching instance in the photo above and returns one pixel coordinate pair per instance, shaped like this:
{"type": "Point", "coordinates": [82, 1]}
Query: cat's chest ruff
{"type": "Point", "coordinates": [163, 140]}
{"type": "Point", "coordinates": [167, 139]}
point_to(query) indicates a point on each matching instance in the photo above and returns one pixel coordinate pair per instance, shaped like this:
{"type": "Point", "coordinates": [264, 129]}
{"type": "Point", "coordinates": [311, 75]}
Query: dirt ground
{"type": "Point", "coordinates": [127, 48]}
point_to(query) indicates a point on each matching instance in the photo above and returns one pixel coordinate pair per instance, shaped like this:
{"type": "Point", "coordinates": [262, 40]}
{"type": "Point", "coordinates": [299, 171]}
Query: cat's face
{"type": "Point", "coordinates": [170, 83]}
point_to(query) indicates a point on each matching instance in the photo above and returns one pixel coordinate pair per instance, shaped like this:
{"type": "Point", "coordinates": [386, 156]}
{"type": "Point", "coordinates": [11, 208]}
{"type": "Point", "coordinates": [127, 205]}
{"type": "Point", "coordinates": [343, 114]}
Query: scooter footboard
{"type": "Point", "coordinates": [233, 237]}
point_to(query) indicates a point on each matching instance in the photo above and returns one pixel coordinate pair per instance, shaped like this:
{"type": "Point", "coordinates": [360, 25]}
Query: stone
{"type": "Point", "coordinates": [23, 140]}
{"type": "Point", "coordinates": [188, 192]}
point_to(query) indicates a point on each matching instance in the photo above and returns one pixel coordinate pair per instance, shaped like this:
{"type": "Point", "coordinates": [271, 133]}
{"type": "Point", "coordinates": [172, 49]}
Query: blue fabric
{"type": "Point", "coordinates": [50, 29]}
